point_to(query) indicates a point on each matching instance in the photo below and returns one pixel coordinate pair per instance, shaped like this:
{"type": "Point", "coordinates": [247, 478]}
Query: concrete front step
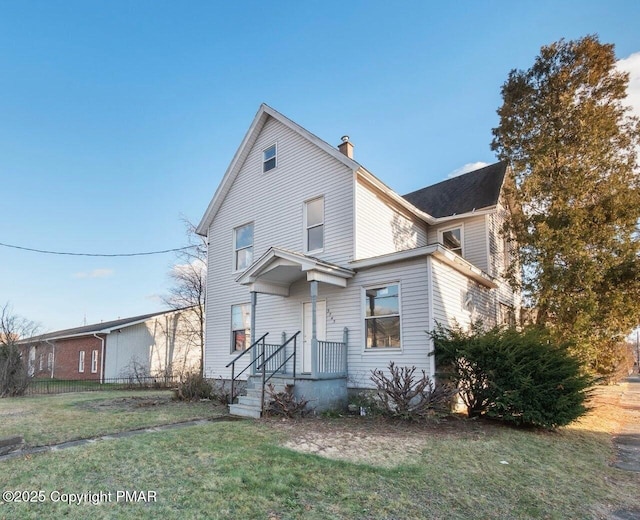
{"type": "Point", "coordinates": [248, 405]}
{"type": "Point", "coordinates": [241, 410]}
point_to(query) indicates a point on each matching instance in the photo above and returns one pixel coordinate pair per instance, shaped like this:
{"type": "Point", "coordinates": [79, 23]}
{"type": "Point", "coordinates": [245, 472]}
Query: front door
{"type": "Point", "coordinates": [321, 330]}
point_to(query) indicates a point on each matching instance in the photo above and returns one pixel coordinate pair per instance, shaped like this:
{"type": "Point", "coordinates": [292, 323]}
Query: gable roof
{"type": "Point", "coordinates": [97, 328]}
{"type": "Point", "coordinates": [463, 194]}
{"type": "Point", "coordinates": [264, 112]}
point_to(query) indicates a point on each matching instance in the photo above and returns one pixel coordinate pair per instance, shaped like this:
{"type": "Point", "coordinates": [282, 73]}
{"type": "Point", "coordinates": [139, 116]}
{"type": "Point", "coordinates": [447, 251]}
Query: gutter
{"type": "Point", "coordinates": [101, 358]}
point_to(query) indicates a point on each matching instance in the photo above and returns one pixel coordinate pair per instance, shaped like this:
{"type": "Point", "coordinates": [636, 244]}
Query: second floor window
{"type": "Point", "coordinates": [452, 239]}
{"type": "Point", "coordinates": [314, 224]}
{"type": "Point", "coordinates": [243, 246]}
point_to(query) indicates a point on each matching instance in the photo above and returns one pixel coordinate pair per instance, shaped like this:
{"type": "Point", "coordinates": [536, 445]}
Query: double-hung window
{"type": "Point", "coordinates": [81, 361]}
{"type": "Point", "coordinates": [269, 158]}
{"type": "Point", "coordinates": [314, 224]}
{"type": "Point", "coordinates": [382, 317]}
{"type": "Point", "coordinates": [240, 326]}
{"type": "Point", "coordinates": [243, 247]}
{"type": "Point", "coordinates": [452, 239]}
{"type": "Point", "coordinates": [94, 361]}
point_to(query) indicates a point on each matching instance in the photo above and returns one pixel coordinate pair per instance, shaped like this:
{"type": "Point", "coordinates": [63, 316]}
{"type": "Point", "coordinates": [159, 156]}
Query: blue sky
{"type": "Point", "coordinates": [116, 117]}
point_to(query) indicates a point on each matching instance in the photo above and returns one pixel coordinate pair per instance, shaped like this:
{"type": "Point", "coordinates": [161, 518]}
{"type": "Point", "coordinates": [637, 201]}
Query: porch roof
{"type": "Point", "coordinates": [277, 269]}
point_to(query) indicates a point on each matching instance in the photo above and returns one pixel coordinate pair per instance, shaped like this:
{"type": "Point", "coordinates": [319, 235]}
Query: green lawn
{"type": "Point", "coordinates": [51, 419]}
{"type": "Point", "coordinates": [238, 470]}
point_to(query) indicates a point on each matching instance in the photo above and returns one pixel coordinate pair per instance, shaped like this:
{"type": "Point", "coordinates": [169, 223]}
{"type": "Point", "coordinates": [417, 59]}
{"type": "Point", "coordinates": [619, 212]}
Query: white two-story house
{"type": "Point", "coordinates": [309, 250]}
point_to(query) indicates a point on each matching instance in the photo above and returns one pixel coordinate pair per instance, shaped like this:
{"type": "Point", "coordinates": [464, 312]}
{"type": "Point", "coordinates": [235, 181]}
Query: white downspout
{"type": "Point", "coordinates": [101, 358]}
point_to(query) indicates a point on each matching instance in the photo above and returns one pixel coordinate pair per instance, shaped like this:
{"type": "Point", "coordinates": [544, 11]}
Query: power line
{"type": "Point", "coordinates": [147, 253]}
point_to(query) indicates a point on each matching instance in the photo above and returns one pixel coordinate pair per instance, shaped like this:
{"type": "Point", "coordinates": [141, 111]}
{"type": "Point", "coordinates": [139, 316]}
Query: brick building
{"type": "Point", "coordinates": [162, 343]}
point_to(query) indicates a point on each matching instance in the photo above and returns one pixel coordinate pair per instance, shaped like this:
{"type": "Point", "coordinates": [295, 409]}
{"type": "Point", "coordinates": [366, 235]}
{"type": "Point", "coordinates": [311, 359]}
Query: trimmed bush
{"type": "Point", "coordinates": [520, 377]}
{"type": "Point", "coordinates": [406, 395]}
{"type": "Point", "coordinates": [194, 387]}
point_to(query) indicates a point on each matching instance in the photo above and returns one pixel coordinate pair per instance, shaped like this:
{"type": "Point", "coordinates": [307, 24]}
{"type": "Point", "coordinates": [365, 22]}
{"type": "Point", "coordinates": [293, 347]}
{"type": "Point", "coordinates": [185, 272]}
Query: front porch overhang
{"type": "Point", "coordinates": [275, 271]}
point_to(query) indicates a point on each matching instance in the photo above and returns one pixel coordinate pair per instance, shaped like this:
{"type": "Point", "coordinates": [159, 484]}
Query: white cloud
{"type": "Point", "coordinates": [96, 273]}
{"type": "Point", "coordinates": [469, 167]}
{"type": "Point", "coordinates": [196, 266]}
{"type": "Point", "coordinates": [632, 66]}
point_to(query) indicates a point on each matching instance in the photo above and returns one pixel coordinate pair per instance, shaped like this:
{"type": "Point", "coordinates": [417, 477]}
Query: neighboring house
{"type": "Point", "coordinates": [155, 344]}
{"type": "Point", "coordinates": [303, 238]}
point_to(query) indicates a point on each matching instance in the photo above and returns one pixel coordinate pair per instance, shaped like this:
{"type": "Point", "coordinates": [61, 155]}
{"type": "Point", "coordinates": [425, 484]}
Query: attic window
{"type": "Point", "coordinates": [269, 158]}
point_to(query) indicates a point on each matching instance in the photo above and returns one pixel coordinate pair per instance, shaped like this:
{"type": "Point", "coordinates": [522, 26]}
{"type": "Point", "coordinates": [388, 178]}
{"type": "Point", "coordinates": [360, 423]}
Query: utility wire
{"type": "Point", "coordinates": [148, 253]}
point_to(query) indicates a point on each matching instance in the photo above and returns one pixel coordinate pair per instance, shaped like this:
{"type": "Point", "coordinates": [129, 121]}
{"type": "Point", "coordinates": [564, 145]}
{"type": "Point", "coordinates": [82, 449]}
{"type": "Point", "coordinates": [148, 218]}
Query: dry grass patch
{"type": "Point", "coordinates": [51, 419]}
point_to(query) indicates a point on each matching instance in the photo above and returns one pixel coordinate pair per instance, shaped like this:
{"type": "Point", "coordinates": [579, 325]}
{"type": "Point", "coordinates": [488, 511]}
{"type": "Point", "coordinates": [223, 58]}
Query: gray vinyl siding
{"type": "Point", "coordinates": [475, 239]}
{"type": "Point", "coordinates": [152, 347]}
{"type": "Point", "coordinates": [274, 202]}
{"type": "Point", "coordinates": [457, 299]}
{"type": "Point", "coordinates": [345, 308]}
{"type": "Point", "coordinates": [499, 256]}
{"type": "Point", "coordinates": [382, 228]}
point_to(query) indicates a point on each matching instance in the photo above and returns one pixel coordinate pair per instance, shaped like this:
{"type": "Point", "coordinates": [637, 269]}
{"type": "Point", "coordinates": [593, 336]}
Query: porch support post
{"type": "Point", "coordinates": [314, 331]}
{"type": "Point", "coordinates": [254, 336]}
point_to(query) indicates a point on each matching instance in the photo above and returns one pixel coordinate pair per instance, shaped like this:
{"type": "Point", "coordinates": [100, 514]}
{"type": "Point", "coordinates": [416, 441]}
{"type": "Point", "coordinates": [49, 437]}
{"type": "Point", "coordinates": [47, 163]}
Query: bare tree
{"type": "Point", "coordinates": [189, 277]}
{"type": "Point", "coordinates": [14, 372]}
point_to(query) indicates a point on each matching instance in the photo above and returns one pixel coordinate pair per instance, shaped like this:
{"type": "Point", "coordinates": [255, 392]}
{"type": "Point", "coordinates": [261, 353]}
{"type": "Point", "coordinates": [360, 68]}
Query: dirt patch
{"type": "Point", "coordinates": [377, 442]}
{"type": "Point", "coordinates": [127, 403]}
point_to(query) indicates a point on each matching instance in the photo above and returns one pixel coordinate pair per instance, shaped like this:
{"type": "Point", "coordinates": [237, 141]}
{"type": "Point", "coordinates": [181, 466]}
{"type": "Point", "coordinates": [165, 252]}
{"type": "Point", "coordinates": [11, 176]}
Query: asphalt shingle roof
{"type": "Point", "coordinates": [472, 191]}
{"type": "Point", "coordinates": [96, 327]}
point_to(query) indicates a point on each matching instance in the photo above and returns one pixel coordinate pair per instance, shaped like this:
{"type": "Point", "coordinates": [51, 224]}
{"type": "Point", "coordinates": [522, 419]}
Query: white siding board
{"type": "Point", "coordinates": [457, 299]}
{"type": "Point", "coordinates": [274, 202]}
{"type": "Point", "coordinates": [383, 228]}
{"type": "Point", "coordinates": [475, 239]}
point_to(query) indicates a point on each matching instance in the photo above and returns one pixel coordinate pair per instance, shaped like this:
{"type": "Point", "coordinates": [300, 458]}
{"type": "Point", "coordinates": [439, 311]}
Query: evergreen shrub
{"type": "Point", "coordinates": [520, 377]}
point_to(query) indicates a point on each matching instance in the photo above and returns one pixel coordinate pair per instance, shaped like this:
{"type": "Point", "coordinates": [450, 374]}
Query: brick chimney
{"type": "Point", "coordinates": [346, 147]}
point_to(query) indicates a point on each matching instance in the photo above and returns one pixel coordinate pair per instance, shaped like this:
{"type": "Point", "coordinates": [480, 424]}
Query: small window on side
{"type": "Point", "coordinates": [452, 239]}
{"type": "Point", "coordinates": [81, 361]}
{"type": "Point", "coordinates": [269, 158]}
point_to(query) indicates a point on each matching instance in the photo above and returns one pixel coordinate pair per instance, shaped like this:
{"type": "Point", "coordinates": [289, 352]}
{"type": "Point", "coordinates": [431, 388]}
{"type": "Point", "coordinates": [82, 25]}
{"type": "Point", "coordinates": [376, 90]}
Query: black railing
{"type": "Point", "coordinates": [62, 386]}
{"type": "Point", "coordinates": [253, 348]}
{"type": "Point", "coordinates": [263, 366]}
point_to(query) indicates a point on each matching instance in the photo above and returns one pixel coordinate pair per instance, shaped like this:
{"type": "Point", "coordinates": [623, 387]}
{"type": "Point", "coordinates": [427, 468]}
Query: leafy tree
{"type": "Point", "coordinates": [573, 147]}
{"type": "Point", "coordinates": [189, 279]}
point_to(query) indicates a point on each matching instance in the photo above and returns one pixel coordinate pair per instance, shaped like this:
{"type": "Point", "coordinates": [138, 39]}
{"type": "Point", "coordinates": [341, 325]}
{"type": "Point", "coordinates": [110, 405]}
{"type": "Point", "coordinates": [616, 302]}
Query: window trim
{"type": "Point", "coordinates": [94, 361]}
{"type": "Point", "coordinates": [380, 350]}
{"type": "Point", "coordinates": [306, 227]}
{"type": "Point", "coordinates": [232, 343]}
{"type": "Point", "coordinates": [81, 356]}
{"type": "Point", "coordinates": [275, 156]}
{"type": "Point", "coordinates": [235, 249]}
{"type": "Point", "coordinates": [451, 228]}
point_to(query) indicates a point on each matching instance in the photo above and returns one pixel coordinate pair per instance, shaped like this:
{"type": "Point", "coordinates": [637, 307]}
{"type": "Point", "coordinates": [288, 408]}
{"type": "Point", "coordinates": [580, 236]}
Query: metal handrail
{"type": "Point", "coordinates": [235, 376]}
{"type": "Point", "coordinates": [276, 351]}
{"type": "Point", "coordinates": [263, 365]}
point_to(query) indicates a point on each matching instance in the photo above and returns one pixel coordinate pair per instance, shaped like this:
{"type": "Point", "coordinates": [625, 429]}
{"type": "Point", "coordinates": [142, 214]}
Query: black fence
{"type": "Point", "coordinates": [61, 386]}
